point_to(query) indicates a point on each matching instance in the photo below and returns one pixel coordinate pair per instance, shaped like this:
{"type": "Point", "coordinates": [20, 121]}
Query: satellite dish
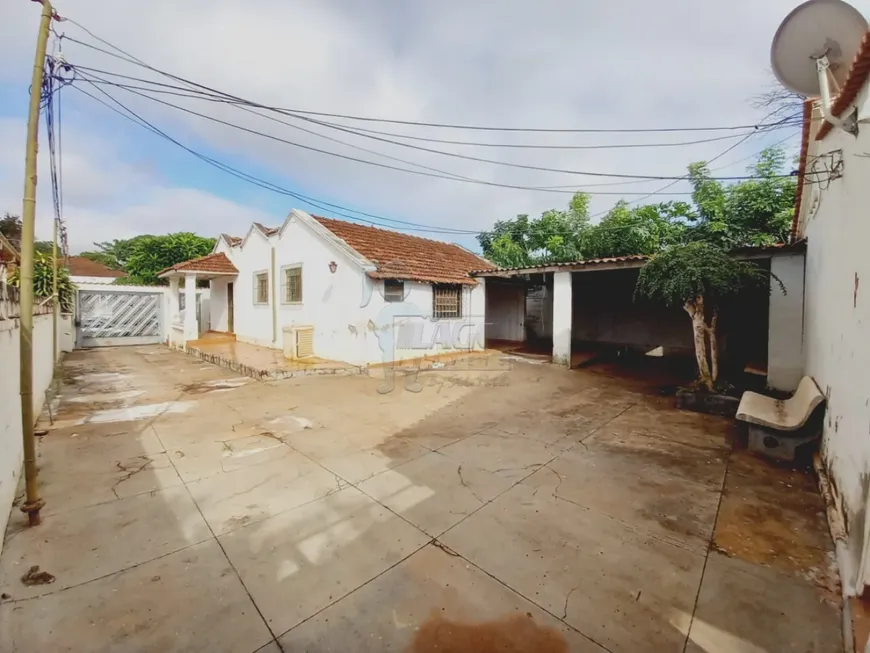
{"type": "Point", "coordinates": [817, 39]}
{"type": "Point", "coordinates": [815, 46]}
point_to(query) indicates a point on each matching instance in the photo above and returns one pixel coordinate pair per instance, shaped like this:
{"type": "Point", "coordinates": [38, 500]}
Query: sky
{"type": "Point", "coordinates": [553, 64]}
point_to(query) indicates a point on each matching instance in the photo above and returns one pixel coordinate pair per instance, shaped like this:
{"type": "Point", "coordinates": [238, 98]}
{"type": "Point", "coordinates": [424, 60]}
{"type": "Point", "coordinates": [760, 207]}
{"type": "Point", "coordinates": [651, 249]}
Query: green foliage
{"type": "Point", "coordinates": [104, 258]}
{"type": "Point", "coordinates": [555, 236]}
{"type": "Point", "coordinates": [643, 229]}
{"type": "Point", "coordinates": [150, 254]}
{"type": "Point", "coordinates": [750, 212]}
{"type": "Point", "coordinates": [43, 274]}
{"type": "Point", "coordinates": [144, 256]}
{"type": "Point", "coordinates": [696, 270]}
{"type": "Point", "coordinates": [754, 212]}
{"type": "Point", "coordinates": [115, 253]}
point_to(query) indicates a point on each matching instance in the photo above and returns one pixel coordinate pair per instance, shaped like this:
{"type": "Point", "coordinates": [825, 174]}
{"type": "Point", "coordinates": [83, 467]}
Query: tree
{"type": "Point", "coordinates": [753, 212]}
{"type": "Point", "coordinates": [114, 254]}
{"type": "Point", "coordinates": [698, 276]}
{"type": "Point", "coordinates": [10, 226]}
{"type": "Point", "coordinates": [150, 254]}
{"type": "Point", "coordinates": [643, 229]}
{"type": "Point", "coordinates": [555, 236]}
{"type": "Point", "coordinates": [103, 258]}
{"type": "Point", "coordinates": [43, 270]}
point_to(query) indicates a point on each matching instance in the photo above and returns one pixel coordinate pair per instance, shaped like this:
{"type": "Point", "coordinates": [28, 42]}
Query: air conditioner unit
{"type": "Point", "coordinates": [298, 342]}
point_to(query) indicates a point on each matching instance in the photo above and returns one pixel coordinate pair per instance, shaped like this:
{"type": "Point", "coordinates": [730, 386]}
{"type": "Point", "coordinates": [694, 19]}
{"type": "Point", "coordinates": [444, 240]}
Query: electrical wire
{"type": "Point", "coordinates": [126, 56]}
{"type": "Point", "coordinates": [375, 163]}
{"type": "Point", "coordinates": [424, 149]}
{"type": "Point", "coordinates": [321, 204]}
{"type": "Point", "coordinates": [179, 91]}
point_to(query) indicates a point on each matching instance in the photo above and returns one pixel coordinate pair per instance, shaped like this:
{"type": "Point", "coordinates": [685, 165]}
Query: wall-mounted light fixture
{"type": "Point", "coordinates": [333, 266]}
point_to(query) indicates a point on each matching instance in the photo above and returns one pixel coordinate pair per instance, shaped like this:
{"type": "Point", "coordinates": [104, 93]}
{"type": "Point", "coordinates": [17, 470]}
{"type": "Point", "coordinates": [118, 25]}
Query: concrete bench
{"type": "Point", "coordinates": [777, 427]}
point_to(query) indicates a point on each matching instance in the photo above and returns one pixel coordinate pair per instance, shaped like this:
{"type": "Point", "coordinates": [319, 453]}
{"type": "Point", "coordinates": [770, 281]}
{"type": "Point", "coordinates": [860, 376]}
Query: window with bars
{"type": "Point", "coordinates": [261, 287]}
{"type": "Point", "coordinates": [292, 285]}
{"type": "Point", "coordinates": [394, 290]}
{"type": "Point", "coordinates": [446, 300]}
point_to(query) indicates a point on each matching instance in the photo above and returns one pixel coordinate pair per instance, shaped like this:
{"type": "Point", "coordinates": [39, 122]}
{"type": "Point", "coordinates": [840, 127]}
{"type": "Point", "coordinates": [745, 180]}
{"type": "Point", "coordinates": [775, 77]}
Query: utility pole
{"type": "Point", "coordinates": [33, 504]}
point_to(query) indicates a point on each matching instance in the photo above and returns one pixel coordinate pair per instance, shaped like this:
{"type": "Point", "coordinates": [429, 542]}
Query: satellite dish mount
{"type": "Point", "coordinates": [812, 51]}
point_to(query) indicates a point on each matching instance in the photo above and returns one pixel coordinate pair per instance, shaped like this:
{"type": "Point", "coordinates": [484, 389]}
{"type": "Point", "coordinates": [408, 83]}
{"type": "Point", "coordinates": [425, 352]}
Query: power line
{"type": "Point", "coordinates": [179, 91]}
{"type": "Point", "coordinates": [321, 204]}
{"type": "Point", "coordinates": [424, 149]}
{"type": "Point", "coordinates": [135, 60]}
{"type": "Point", "coordinates": [240, 104]}
{"type": "Point", "coordinates": [375, 163]}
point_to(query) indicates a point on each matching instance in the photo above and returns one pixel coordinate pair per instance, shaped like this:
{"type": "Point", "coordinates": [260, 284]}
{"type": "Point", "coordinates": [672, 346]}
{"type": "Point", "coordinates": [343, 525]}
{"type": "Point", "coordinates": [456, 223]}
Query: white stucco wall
{"type": "Point", "coordinates": [562, 317]}
{"type": "Point", "coordinates": [11, 452]}
{"type": "Point", "coordinates": [835, 221]}
{"type": "Point", "coordinates": [344, 307]}
{"type": "Point", "coordinates": [785, 365]}
{"type": "Point", "coordinates": [77, 279]}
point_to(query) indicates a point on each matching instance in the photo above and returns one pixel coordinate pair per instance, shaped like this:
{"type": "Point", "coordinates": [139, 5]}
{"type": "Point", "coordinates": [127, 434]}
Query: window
{"type": "Point", "coordinates": [446, 301]}
{"type": "Point", "coordinates": [394, 290]}
{"type": "Point", "coordinates": [292, 290]}
{"type": "Point", "coordinates": [182, 299]}
{"type": "Point", "coordinates": [261, 287]}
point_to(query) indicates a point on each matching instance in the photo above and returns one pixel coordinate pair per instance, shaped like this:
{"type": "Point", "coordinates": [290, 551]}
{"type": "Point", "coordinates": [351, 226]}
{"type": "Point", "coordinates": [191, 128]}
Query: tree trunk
{"type": "Point", "coordinates": [714, 346]}
{"type": "Point", "coordinates": [695, 309]}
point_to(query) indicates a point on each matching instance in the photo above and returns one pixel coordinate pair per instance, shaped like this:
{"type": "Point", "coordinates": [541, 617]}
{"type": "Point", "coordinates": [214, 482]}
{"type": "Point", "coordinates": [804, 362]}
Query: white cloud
{"type": "Point", "coordinates": [559, 64]}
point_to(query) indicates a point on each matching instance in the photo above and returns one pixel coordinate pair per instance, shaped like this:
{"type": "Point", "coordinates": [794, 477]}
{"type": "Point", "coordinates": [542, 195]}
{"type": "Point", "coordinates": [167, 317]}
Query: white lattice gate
{"type": "Point", "coordinates": [118, 317]}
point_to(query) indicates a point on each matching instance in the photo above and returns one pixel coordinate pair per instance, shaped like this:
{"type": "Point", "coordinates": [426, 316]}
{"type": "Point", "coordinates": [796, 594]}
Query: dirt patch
{"type": "Point", "coordinates": [516, 633]}
{"type": "Point", "coordinates": [773, 516]}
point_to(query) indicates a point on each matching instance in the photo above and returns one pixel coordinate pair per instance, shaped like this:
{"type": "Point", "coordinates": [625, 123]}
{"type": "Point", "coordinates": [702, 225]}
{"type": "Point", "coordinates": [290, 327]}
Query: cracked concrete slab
{"type": "Point", "coordinates": [81, 545]}
{"type": "Point", "coordinates": [611, 582]}
{"type": "Point", "coordinates": [410, 600]}
{"type": "Point", "coordinates": [512, 458]}
{"type": "Point", "coordinates": [435, 492]}
{"type": "Point", "coordinates": [190, 600]}
{"type": "Point", "coordinates": [299, 562]}
{"type": "Point", "coordinates": [251, 494]}
{"type": "Point", "coordinates": [350, 530]}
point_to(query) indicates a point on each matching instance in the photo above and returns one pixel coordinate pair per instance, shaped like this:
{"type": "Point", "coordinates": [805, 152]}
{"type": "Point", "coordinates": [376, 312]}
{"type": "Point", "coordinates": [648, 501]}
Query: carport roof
{"type": "Point", "coordinates": [632, 261]}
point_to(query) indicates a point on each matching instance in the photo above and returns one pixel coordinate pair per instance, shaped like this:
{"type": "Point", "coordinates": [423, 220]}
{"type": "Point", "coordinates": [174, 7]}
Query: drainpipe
{"type": "Point", "coordinates": [274, 301]}
{"type": "Point", "coordinates": [844, 565]}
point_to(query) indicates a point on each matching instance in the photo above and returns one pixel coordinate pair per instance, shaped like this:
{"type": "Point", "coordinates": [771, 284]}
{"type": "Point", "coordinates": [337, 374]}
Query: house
{"type": "Point", "coordinates": [832, 215]}
{"type": "Point", "coordinates": [335, 290]}
{"type": "Point", "coordinates": [84, 270]}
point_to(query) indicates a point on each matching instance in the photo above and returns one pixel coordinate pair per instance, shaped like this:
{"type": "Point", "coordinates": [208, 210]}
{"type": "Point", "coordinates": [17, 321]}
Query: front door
{"type": "Point", "coordinates": [230, 320]}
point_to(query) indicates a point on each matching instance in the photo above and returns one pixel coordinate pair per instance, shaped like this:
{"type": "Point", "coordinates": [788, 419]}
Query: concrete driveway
{"type": "Point", "coordinates": [188, 509]}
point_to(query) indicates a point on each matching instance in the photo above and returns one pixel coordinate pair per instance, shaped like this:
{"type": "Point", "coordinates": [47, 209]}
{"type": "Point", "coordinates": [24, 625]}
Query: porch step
{"type": "Point", "coordinates": [292, 368]}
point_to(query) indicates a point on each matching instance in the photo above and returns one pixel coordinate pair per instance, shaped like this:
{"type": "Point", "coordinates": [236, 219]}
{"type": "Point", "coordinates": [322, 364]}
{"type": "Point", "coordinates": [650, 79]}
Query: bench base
{"type": "Point", "coordinates": [781, 445]}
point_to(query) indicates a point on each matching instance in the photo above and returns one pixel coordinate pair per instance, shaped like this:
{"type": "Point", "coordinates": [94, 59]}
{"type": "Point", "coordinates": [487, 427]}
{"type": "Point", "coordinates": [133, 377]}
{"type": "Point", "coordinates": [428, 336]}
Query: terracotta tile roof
{"type": "Point", "coordinates": [79, 266]}
{"type": "Point", "coordinates": [269, 231]}
{"type": "Point", "coordinates": [802, 165]}
{"type": "Point", "coordinates": [213, 263]}
{"type": "Point", "coordinates": [855, 80]}
{"type": "Point", "coordinates": [232, 240]}
{"type": "Point", "coordinates": [401, 256]}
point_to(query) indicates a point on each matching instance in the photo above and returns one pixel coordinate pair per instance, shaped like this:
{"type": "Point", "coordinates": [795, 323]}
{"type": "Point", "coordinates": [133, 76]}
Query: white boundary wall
{"type": "Point", "coordinates": [11, 450]}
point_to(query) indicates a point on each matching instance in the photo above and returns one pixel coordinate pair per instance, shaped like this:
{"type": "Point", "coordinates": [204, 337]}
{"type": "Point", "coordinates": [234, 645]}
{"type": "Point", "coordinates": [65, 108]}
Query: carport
{"type": "Point", "coordinates": [580, 308]}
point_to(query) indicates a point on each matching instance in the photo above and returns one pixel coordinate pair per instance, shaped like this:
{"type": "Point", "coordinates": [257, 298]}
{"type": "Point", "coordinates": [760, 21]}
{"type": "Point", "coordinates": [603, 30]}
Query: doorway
{"type": "Point", "coordinates": [230, 303]}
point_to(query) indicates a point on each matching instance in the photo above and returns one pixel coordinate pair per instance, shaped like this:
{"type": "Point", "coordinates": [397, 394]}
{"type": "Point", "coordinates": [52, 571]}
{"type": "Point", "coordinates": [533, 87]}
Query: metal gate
{"type": "Point", "coordinates": [118, 317]}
